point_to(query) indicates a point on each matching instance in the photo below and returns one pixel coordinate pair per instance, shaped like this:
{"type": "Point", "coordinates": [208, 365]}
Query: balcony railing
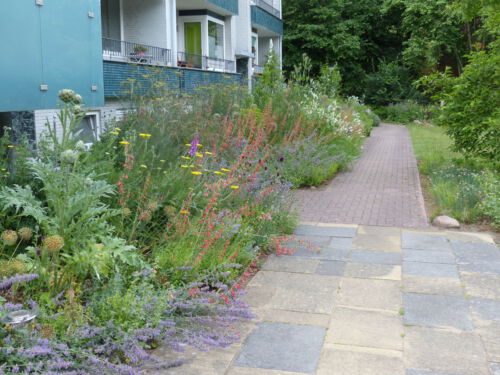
{"type": "Point", "coordinates": [268, 7]}
{"type": "Point", "coordinates": [257, 69]}
{"type": "Point", "coordinates": [119, 50]}
{"type": "Point", "coordinates": [190, 60]}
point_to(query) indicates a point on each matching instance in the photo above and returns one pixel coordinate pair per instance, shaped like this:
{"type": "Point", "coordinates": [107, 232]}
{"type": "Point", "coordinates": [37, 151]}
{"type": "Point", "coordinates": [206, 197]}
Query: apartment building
{"type": "Point", "coordinates": [94, 46]}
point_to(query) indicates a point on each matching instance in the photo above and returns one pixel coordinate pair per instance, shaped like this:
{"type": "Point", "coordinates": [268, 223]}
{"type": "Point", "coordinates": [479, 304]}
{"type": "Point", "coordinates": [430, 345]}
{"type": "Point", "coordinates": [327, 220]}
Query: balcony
{"type": "Point", "coordinates": [136, 53]}
{"type": "Point", "coordinates": [268, 6]}
{"type": "Point", "coordinates": [190, 60]}
{"type": "Point", "coordinates": [258, 69]}
{"type": "Point", "coordinates": [272, 24]}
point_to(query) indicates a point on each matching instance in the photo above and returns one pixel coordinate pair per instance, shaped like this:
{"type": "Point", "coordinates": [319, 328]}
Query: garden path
{"type": "Point", "coordinates": [382, 188]}
{"type": "Point", "coordinates": [369, 301]}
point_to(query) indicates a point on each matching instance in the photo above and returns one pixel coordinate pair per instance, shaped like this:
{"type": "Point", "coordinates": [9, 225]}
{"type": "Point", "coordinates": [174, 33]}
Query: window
{"type": "Point", "coordinates": [255, 48]}
{"type": "Point", "coordinates": [215, 40]}
{"type": "Point", "coordinates": [88, 129]}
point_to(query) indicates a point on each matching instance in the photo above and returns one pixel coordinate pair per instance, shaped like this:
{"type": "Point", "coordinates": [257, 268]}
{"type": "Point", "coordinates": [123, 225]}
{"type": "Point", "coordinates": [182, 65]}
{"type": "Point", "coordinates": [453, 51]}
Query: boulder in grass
{"type": "Point", "coordinates": [446, 222]}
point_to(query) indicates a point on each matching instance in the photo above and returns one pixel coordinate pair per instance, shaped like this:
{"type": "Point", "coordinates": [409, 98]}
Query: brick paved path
{"type": "Point", "coordinates": [383, 187]}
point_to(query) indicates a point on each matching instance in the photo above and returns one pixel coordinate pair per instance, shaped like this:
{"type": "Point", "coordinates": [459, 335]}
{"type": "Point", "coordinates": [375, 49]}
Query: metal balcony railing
{"type": "Point", "coordinates": [120, 50]}
{"type": "Point", "coordinates": [190, 60]}
{"type": "Point", "coordinates": [257, 69]}
{"type": "Point", "coordinates": [268, 7]}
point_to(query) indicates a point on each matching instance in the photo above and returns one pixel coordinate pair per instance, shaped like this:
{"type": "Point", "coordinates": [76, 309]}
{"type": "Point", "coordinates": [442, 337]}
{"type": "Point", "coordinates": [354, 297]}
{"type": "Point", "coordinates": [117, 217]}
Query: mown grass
{"type": "Point", "coordinates": [455, 184]}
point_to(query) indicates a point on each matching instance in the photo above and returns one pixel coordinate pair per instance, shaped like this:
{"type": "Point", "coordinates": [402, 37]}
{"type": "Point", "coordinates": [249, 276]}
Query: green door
{"type": "Point", "coordinates": [192, 43]}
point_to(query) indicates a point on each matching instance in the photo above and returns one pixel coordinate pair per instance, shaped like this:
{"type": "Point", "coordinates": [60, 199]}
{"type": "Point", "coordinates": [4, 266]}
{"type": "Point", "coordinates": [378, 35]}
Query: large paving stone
{"type": "Point", "coordinates": [416, 241]}
{"type": "Point", "coordinates": [490, 335]}
{"type": "Point", "coordinates": [331, 267]}
{"type": "Point", "coordinates": [432, 285]}
{"type": "Point", "coordinates": [444, 351]}
{"type": "Point", "coordinates": [481, 285]}
{"type": "Point", "coordinates": [377, 242]}
{"type": "Point", "coordinates": [376, 329]}
{"type": "Point", "coordinates": [485, 309]}
{"type": "Point", "coordinates": [481, 266]}
{"type": "Point", "coordinates": [430, 269]}
{"type": "Point", "coordinates": [309, 241]}
{"type": "Point", "coordinates": [470, 252]}
{"type": "Point", "coordinates": [328, 231]}
{"type": "Point", "coordinates": [380, 231]}
{"type": "Point", "coordinates": [424, 372]}
{"type": "Point", "coordinates": [469, 237]}
{"type": "Point", "coordinates": [312, 301]}
{"type": "Point", "coordinates": [285, 347]}
{"type": "Point", "coordinates": [290, 264]}
{"type": "Point", "coordinates": [325, 253]}
{"type": "Point", "coordinates": [336, 360]}
{"type": "Point", "coordinates": [370, 294]}
{"type": "Point", "coordinates": [375, 257]}
{"type": "Point", "coordinates": [235, 370]}
{"type": "Point", "coordinates": [477, 257]}
{"type": "Point", "coordinates": [295, 281]}
{"type": "Point", "coordinates": [373, 271]}
{"type": "Point", "coordinates": [293, 317]}
{"type": "Point", "coordinates": [436, 311]}
{"type": "Point", "coordinates": [426, 256]}
{"type": "Point", "coordinates": [309, 293]}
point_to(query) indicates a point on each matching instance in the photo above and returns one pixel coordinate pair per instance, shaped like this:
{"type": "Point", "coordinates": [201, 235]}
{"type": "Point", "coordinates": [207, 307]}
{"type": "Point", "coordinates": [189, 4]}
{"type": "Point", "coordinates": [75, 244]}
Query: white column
{"type": "Point", "coordinates": [171, 7]}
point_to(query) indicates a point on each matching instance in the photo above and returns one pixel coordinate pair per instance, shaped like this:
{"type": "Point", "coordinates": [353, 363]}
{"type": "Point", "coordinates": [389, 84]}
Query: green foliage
{"type": "Point", "coordinates": [407, 112]}
{"type": "Point", "coordinates": [471, 112]}
{"type": "Point", "coordinates": [390, 84]}
{"type": "Point", "coordinates": [490, 204]}
{"type": "Point", "coordinates": [462, 188]}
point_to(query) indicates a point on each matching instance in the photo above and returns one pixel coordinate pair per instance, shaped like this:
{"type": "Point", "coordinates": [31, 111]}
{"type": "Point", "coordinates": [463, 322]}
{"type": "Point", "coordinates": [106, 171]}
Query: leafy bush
{"type": "Point", "coordinates": [490, 204]}
{"type": "Point", "coordinates": [406, 112]}
{"type": "Point", "coordinates": [472, 106]}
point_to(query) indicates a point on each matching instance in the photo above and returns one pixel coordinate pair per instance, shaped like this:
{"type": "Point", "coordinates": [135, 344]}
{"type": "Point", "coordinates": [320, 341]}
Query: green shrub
{"type": "Point", "coordinates": [490, 204]}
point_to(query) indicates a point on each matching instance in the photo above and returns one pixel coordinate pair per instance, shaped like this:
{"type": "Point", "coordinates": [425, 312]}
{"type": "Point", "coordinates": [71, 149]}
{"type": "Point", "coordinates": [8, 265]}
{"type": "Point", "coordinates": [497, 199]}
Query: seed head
{"type": "Point", "coordinates": [52, 244]}
{"type": "Point", "coordinates": [25, 233]}
{"type": "Point", "coordinates": [9, 237]}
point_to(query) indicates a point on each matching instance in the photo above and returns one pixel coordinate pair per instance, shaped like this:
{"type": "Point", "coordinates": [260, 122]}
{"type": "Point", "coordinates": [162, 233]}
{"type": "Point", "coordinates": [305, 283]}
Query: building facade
{"type": "Point", "coordinates": [93, 46]}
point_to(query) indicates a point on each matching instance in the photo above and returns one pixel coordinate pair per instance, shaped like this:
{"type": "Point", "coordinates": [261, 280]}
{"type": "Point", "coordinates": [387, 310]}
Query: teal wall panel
{"type": "Point", "coordinates": [229, 5]}
{"type": "Point", "coordinates": [267, 20]}
{"type": "Point", "coordinates": [179, 80]}
{"type": "Point", "coordinates": [56, 44]}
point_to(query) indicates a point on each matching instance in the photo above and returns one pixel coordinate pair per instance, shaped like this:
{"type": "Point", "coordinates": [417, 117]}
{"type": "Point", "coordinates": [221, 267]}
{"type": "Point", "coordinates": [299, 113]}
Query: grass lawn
{"type": "Point", "coordinates": [452, 184]}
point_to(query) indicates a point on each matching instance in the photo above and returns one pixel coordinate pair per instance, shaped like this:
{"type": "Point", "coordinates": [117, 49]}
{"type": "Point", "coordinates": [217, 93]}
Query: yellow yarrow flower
{"type": "Point", "coordinates": [144, 135]}
{"type": "Point", "coordinates": [10, 146]}
{"type": "Point", "coordinates": [199, 155]}
{"type": "Point", "coordinates": [186, 157]}
{"type": "Point", "coordinates": [143, 166]}
{"type": "Point", "coordinates": [184, 166]}
{"type": "Point", "coordinates": [219, 172]}
{"type": "Point", "coordinates": [196, 173]}
{"type": "Point", "coordinates": [235, 187]}
{"type": "Point", "coordinates": [117, 129]}
{"type": "Point", "coordinates": [124, 143]}
{"type": "Point", "coordinates": [208, 153]}
{"type": "Point", "coordinates": [114, 133]}
{"type": "Point", "coordinates": [225, 170]}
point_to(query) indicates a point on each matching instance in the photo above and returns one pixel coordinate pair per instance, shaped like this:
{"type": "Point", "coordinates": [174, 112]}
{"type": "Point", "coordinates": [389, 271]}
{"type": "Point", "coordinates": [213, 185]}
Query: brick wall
{"type": "Point", "coordinates": [185, 81]}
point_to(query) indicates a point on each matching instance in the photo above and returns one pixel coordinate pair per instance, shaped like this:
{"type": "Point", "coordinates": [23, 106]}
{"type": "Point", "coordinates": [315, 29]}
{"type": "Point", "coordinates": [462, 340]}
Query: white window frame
{"type": "Point", "coordinates": [256, 54]}
{"type": "Point", "coordinates": [204, 32]}
{"type": "Point", "coordinates": [98, 129]}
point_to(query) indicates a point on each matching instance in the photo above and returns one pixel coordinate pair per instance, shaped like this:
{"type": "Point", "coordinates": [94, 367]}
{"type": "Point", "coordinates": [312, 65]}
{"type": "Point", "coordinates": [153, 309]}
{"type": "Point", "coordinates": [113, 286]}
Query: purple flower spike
{"type": "Point", "coordinates": [194, 146]}
{"type": "Point", "coordinates": [6, 284]}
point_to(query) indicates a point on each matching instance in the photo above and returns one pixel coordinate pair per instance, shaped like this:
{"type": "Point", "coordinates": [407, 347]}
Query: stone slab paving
{"type": "Point", "coordinates": [382, 188]}
{"type": "Point", "coordinates": [341, 305]}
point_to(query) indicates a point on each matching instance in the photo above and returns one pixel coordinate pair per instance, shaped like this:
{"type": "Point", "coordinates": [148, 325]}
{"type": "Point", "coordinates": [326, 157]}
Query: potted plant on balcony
{"type": "Point", "coordinates": [140, 50]}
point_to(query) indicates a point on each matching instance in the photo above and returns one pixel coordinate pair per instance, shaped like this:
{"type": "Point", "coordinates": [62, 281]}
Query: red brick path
{"type": "Point", "coordinates": [383, 187]}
